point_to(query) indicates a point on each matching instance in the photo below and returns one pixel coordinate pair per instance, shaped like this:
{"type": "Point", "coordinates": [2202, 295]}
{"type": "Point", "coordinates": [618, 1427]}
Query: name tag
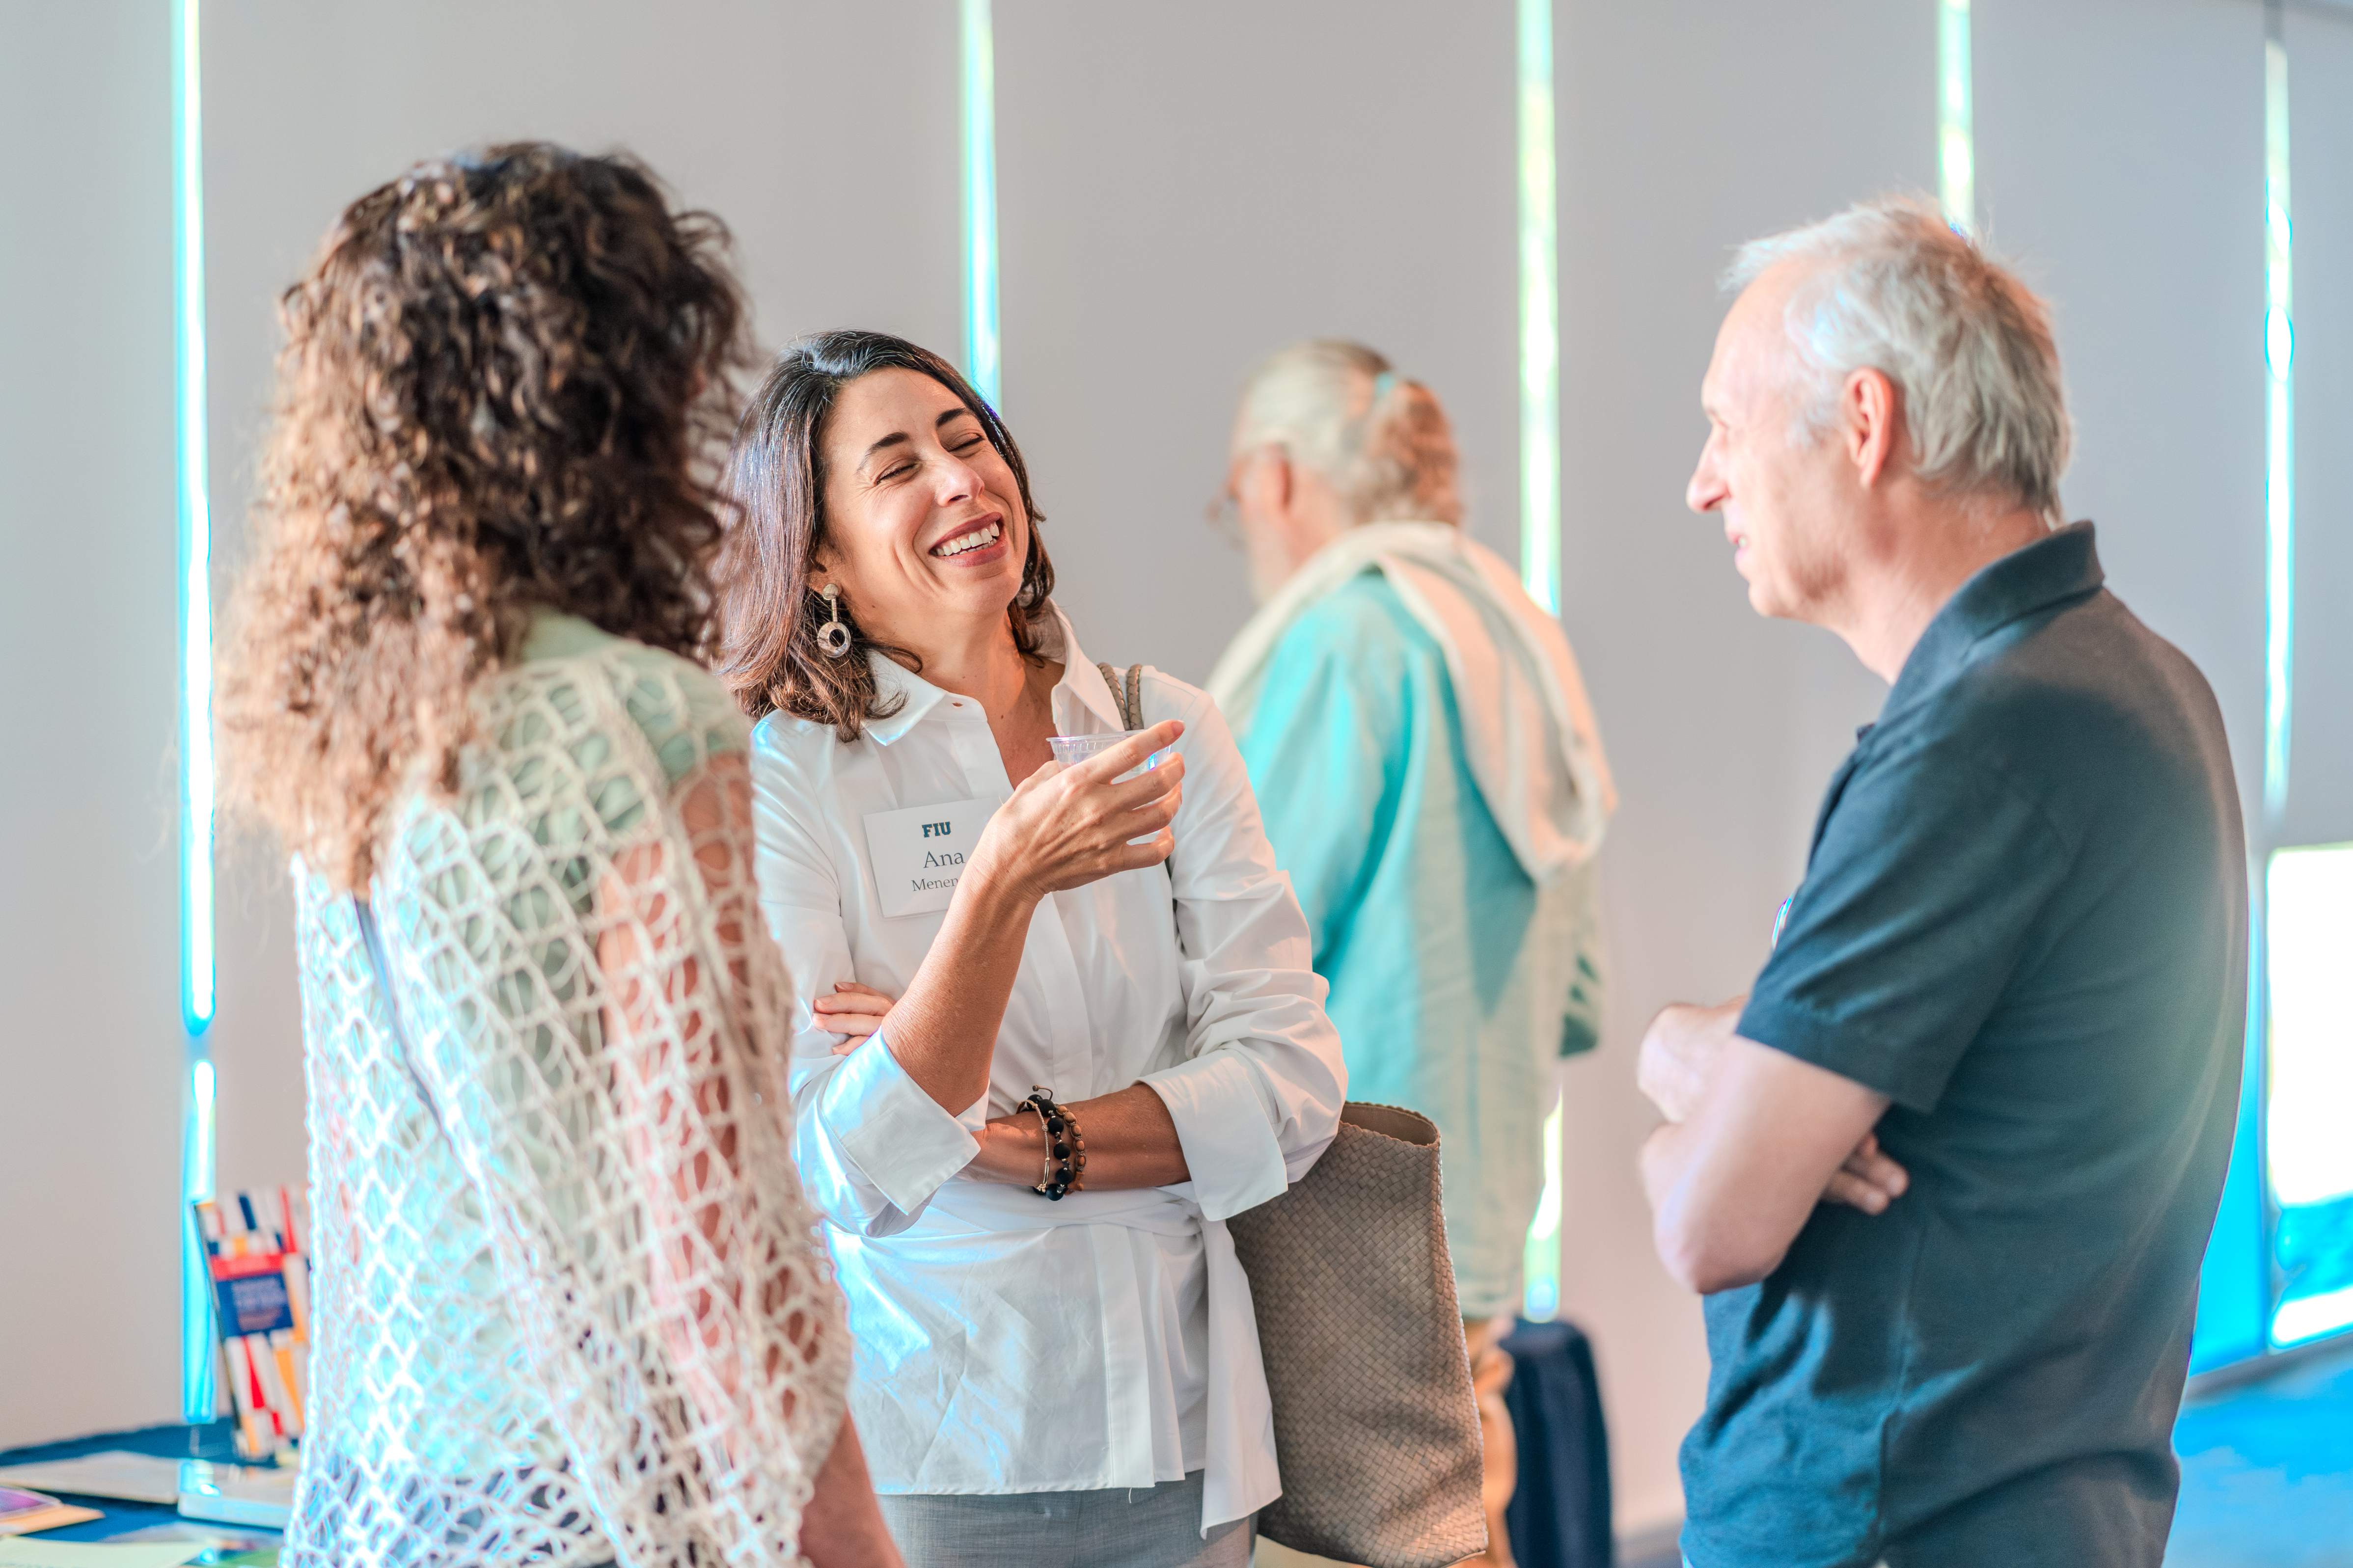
{"type": "Point", "coordinates": [919, 853]}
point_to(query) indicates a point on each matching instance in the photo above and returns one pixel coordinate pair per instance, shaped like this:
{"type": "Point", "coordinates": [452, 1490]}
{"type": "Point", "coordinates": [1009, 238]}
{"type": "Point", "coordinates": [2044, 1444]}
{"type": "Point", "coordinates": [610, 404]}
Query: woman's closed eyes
{"type": "Point", "coordinates": [962, 445]}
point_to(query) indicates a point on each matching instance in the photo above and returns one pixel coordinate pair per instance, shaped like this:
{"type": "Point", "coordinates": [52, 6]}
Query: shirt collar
{"type": "Point", "coordinates": [2066, 565]}
{"type": "Point", "coordinates": [1081, 683]}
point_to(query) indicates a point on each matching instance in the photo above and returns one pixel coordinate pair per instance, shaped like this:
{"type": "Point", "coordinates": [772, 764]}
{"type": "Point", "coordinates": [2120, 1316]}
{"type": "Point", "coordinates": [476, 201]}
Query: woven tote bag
{"type": "Point", "coordinates": [1375, 1429]}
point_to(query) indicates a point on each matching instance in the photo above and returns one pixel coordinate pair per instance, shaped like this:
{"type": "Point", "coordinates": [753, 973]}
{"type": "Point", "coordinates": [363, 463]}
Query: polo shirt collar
{"type": "Point", "coordinates": [1080, 680]}
{"type": "Point", "coordinates": [2065, 566]}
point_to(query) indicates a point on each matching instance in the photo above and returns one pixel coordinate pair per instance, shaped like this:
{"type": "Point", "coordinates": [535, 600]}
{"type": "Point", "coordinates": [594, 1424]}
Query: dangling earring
{"type": "Point", "coordinates": [833, 636]}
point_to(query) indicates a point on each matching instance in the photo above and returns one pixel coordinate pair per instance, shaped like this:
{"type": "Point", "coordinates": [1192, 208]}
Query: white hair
{"type": "Point", "coordinates": [1339, 409]}
{"type": "Point", "coordinates": [1966, 342]}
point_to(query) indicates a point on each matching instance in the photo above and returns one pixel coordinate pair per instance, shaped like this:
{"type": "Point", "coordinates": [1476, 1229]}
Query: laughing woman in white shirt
{"type": "Point", "coordinates": [1056, 1362]}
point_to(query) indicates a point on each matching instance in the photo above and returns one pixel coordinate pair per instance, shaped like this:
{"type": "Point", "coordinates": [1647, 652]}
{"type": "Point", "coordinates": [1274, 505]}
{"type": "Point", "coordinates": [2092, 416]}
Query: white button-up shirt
{"type": "Point", "coordinates": [1005, 1344]}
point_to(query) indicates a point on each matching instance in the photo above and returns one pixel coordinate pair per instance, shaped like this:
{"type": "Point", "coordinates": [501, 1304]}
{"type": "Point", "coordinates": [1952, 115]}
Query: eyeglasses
{"type": "Point", "coordinates": [1223, 515]}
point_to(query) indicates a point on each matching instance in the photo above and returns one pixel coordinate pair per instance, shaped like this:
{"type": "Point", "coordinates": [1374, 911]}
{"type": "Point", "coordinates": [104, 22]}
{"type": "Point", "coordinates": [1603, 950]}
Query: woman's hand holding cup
{"type": "Point", "coordinates": [1065, 828]}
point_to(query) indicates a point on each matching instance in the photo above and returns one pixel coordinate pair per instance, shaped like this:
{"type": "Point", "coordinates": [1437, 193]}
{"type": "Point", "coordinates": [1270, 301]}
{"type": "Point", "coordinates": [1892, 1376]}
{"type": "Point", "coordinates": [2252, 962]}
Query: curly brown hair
{"type": "Point", "coordinates": [505, 376]}
{"type": "Point", "coordinates": [768, 652]}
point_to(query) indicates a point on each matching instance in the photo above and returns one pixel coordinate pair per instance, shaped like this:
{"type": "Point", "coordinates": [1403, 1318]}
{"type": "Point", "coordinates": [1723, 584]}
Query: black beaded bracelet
{"type": "Point", "coordinates": [1066, 1147]}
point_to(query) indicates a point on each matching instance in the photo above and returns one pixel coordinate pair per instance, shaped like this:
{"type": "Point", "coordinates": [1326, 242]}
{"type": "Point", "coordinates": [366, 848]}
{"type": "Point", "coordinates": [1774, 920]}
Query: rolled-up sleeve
{"type": "Point", "coordinates": [1258, 1099]}
{"type": "Point", "coordinates": [871, 1145]}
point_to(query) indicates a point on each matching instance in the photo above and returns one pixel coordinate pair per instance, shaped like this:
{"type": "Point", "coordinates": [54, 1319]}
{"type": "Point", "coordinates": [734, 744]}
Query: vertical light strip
{"type": "Point", "coordinates": [1539, 313]}
{"type": "Point", "coordinates": [2279, 468]}
{"type": "Point", "coordinates": [1956, 155]}
{"type": "Point", "coordinates": [979, 57]}
{"type": "Point", "coordinates": [195, 527]}
{"type": "Point", "coordinates": [195, 680]}
{"type": "Point", "coordinates": [1540, 1262]}
{"type": "Point", "coordinates": [1540, 490]}
{"type": "Point", "coordinates": [196, 1165]}
{"type": "Point", "coordinates": [2308, 909]}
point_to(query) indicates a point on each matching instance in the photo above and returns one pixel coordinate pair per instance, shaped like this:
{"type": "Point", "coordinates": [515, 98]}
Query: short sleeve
{"type": "Point", "coordinates": [1929, 877]}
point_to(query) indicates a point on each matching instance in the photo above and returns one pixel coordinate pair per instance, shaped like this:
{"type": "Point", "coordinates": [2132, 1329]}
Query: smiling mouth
{"type": "Point", "coordinates": [980, 538]}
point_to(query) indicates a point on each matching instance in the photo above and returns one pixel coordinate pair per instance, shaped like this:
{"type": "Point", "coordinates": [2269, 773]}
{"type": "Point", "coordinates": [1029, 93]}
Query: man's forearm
{"type": "Point", "coordinates": [1706, 1242]}
{"type": "Point", "coordinates": [1664, 1155]}
{"type": "Point", "coordinates": [1732, 1185]}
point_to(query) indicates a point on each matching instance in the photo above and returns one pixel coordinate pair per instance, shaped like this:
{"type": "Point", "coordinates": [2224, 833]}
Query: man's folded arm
{"type": "Point", "coordinates": [1732, 1185]}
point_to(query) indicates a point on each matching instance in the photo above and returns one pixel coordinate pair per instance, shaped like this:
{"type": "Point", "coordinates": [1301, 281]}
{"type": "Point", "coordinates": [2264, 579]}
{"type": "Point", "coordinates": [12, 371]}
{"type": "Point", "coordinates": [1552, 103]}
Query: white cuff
{"type": "Point", "coordinates": [898, 1137]}
{"type": "Point", "coordinates": [1225, 1124]}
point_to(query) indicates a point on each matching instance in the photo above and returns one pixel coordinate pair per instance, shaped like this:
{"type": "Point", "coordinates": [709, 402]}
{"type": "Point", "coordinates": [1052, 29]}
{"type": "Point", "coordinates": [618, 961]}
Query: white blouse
{"type": "Point", "coordinates": [1005, 1344]}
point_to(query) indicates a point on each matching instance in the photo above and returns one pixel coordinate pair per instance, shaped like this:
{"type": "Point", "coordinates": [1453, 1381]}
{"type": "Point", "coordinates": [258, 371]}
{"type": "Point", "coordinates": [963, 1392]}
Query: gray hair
{"type": "Point", "coordinates": [1339, 408]}
{"type": "Point", "coordinates": [1966, 343]}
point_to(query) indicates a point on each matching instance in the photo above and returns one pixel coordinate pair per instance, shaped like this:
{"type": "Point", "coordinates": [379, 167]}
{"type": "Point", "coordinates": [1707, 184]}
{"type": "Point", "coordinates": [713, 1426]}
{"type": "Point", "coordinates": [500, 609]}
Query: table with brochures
{"type": "Point", "coordinates": [212, 1441]}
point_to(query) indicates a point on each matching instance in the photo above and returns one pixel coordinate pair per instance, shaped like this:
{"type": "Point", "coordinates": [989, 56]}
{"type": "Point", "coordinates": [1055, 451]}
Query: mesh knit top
{"type": "Point", "coordinates": [570, 1305]}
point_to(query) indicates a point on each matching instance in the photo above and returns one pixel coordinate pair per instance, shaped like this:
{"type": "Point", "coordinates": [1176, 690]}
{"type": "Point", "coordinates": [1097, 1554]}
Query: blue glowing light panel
{"type": "Point", "coordinates": [978, 56]}
{"type": "Point", "coordinates": [1957, 158]}
{"type": "Point", "coordinates": [196, 978]}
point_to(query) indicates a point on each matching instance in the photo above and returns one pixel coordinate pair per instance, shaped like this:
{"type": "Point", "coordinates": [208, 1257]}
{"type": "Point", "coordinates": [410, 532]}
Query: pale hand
{"type": "Point", "coordinates": [1869, 1180]}
{"type": "Point", "coordinates": [1679, 1054]}
{"type": "Point", "coordinates": [853, 1011]}
{"type": "Point", "coordinates": [1065, 828]}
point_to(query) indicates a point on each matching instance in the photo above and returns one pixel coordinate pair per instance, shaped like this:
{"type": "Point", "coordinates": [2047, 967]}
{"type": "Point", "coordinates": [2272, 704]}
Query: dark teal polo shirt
{"type": "Point", "coordinates": [2024, 920]}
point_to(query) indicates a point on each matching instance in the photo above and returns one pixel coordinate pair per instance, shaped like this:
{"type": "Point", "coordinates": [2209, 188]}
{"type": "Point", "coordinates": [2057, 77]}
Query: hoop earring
{"type": "Point", "coordinates": [833, 637]}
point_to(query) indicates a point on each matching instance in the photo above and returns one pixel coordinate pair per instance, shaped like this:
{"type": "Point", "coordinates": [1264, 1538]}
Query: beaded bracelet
{"type": "Point", "coordinates": [1066, 1147]}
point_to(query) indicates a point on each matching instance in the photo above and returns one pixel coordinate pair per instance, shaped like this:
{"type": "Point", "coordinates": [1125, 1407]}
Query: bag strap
{"type": "Point", "coordinates": [403, 1048]}
{"type": "Point", "coordinates": [1127, 691]}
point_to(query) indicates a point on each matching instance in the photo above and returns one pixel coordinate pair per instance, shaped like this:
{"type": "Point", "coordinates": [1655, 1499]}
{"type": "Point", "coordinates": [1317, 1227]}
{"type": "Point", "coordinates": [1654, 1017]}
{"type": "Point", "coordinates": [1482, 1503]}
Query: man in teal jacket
{"type": "Point", "coordinates": [1431, 779]}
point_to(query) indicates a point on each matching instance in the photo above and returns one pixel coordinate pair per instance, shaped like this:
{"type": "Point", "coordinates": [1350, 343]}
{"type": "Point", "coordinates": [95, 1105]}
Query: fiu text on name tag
{"type": "Point", "coordinates": [919, 854]}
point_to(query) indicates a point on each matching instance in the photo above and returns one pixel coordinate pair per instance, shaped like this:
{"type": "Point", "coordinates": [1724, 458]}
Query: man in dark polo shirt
{"type": "Point", "coordinates": [1945, 1174]}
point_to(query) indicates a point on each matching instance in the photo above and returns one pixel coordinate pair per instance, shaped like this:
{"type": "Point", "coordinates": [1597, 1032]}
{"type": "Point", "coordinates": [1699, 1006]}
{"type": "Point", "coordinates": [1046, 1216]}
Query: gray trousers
{"type": "Point", "coordinates": [1154, 1527]}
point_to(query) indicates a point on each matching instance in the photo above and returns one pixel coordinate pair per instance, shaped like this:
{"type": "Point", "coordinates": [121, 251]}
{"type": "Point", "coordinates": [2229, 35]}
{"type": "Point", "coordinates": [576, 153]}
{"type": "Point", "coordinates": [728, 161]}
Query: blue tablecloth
{"type": "Point", "coordinates": [212, 1440]}
{"type": "Point", "coordinates": [1560, 1516]}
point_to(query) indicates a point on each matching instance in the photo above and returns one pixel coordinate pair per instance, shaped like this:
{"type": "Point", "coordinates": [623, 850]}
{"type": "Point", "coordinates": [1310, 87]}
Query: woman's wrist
{"type": "Point", "coordinates": [1012, 1152]}
{"type": "Point", "coordinates": [992, 890]}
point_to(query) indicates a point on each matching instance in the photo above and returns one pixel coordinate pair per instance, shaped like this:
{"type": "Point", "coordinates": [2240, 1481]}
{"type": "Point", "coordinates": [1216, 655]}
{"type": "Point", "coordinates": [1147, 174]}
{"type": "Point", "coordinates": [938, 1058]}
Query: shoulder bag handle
{"type": "Point", "coordinates": [1127, 691]}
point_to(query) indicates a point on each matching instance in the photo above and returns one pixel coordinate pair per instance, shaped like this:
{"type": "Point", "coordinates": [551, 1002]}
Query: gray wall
{"type": "Point", "coordinates": [89, 1090]}
{"type": "Point", "coordinates": [2120, 158]}
{"type": "Point", "coordinates": [1184, 189]}
{"type": "Point", "coordinates": [2320, 100]}
{"type": "Point", "coordinates": [1181, 191]}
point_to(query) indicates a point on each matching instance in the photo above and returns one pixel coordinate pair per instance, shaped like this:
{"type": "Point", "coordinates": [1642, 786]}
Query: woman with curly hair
{"type": "Point", "coordinates": [570, 1306]}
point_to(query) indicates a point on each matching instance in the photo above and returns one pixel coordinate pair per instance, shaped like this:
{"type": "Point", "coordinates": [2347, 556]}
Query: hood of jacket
{"type": "Point", "coordinates": [1527, 724]}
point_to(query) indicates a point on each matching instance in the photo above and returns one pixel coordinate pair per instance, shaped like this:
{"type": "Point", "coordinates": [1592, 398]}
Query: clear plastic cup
{"type": "Point", "coordinates": [1072, 750]}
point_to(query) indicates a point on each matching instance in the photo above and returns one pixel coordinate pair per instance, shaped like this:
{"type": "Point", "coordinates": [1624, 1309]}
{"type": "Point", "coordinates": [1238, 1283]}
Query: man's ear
{"type": "Point", "coordinates": [1282, 480]}
{"type": "Point", "coordinates": [1871, 418]}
